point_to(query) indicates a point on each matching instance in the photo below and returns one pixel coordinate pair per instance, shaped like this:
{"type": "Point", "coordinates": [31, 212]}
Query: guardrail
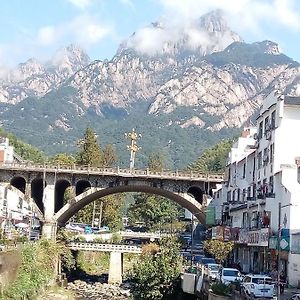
{"type": "Point", "coordinates": [104, 247]}
{"type": "Point", "coordinates": [143, 234]}
{"type": "Point", "coordinates": [113, 171]}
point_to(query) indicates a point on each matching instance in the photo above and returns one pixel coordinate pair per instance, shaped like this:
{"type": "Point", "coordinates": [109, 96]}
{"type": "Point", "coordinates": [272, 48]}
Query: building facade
{"type": "Point", "coordinates": [260, 196]}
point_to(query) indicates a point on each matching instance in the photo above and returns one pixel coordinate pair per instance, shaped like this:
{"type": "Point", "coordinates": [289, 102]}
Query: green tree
{"type": "Point", "coordinates": [156, 162]}
{"type": "Point", "coordinates": [152, 210]}
{"type": "Point", "coordinates": [109, 156]}
{"type": "Point", "coordinates": [63, 159]}
{"type": "Point", "coordinates": [90, 152]}
{"type": "Point", "coordinates": [156, 274]}
{"type": "Point", "coordinates": [213, 159]}
{"type": "Point", "coordinates": [112, 211]}
{"type": "Point", "coordinates": [219, 249]}
{"type": "Point", "coordinates": [26, 151]}
{"type": "Point", "coordinates": [85, 215]}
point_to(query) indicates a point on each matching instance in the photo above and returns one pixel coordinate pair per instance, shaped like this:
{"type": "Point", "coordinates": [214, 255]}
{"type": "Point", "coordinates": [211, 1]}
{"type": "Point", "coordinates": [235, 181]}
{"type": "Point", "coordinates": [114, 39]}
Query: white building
{"type": "Point", "coordinates": [6, 151]}
{"type": "Point", "coordinates": [13, 207]}
{"type": "Point", "coordinates": [260, 174]}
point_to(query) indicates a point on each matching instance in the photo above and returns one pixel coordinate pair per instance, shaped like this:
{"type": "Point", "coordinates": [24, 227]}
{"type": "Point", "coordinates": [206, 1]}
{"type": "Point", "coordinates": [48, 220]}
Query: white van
{"type": "Point", "coordinates": [255, 285]}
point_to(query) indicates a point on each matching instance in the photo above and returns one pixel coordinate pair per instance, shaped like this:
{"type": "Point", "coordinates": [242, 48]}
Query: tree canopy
{"type": "Point", "coordinates": [90, 152]}
{"type": "Point", "coordinates": [219, 249]}
{"type": "Point", "coordinates": [152, 210]}
{"type": "Point", "coordinates": [26, 151]}
{"type": "Point", "coordinates": [213, 159]}
{"type": "Point", "coordinates": [156, 274]}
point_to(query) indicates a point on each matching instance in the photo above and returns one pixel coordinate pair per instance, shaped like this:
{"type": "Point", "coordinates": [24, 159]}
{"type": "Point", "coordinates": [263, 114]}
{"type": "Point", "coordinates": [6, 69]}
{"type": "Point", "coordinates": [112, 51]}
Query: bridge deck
{"type": "Point", "coordinates": [175, 175]}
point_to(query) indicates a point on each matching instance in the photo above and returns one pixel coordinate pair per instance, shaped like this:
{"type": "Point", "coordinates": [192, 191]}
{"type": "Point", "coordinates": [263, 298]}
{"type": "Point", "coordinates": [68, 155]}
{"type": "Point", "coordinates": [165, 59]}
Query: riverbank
{"type": "Point", "coordinates": [82, 290]}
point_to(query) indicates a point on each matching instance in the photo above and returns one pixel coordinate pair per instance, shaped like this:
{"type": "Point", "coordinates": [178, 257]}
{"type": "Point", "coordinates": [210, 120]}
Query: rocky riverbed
{"type": "Point", "coordinates": [97, 290]}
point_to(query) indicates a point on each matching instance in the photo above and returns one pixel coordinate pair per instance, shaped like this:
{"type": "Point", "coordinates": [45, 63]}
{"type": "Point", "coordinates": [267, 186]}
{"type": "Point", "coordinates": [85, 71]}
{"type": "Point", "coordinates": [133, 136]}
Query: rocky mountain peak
{"type": "Point", "coordinates": [25, 70]}
{"type": "Point", "coordinates": [70, 59]}
{"type": "Point", "coordinates": [200, 37]}
{"type": "Point", "coordinates": [269, 47]}
{"type": "Point", "coordinates": [214, 21]}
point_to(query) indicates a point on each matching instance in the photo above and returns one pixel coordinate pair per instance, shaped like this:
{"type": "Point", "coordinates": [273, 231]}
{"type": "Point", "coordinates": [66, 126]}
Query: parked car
{"type": "Point", "coordinates": [207, 260]}
{"type": "Point", "coordinates": [295, 297]}
{"type": "Point", "coordinates": [255, 285]}
{"type": "Point", "coordinates": [229, 275]}
{"type": "Point", "coordinates": [211, 270]}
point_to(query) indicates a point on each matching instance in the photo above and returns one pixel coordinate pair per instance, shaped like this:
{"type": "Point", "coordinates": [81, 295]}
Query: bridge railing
{"type": "Point", "coordinates": [104, 247]}
{"type": "Point", "coordinates": [113, 171]}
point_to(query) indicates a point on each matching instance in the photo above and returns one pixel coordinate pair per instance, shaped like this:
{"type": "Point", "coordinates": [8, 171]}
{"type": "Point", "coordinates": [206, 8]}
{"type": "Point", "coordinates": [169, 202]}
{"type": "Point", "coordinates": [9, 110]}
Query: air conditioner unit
{"type": "Point", "coordinates": [266, 158]}
{"type": "Point", "coordinates": [268, 135]}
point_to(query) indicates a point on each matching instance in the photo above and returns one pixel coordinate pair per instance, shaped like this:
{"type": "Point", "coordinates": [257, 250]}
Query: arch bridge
{"type": "Point", "coordinates": [45, 187]}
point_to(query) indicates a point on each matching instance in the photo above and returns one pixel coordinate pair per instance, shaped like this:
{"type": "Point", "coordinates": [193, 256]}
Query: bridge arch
{"type": "Point", "coordinates": [77, 203]}
{"type": "Point", "coordinates": [37, 192]}
{"type": "Point", "coordinates": [19, 183]}
{"type": "Point", "coordinates": [197, 193]}
{"type": "Point", "coordinates": [60, 189]}
{"type": "Point", "coordinates": [82, 186]}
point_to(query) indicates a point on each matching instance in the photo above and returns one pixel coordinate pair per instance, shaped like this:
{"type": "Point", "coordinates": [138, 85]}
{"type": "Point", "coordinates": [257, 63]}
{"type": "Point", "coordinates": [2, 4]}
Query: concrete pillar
{"type": "Point", "coordinates": [115, 268]}
{"type": "Point", "coordinates": [48, 201]}
{"type": "Point", "coordinates": [27, 192]}
{"type": "Point", "coordinates": [49, 230]}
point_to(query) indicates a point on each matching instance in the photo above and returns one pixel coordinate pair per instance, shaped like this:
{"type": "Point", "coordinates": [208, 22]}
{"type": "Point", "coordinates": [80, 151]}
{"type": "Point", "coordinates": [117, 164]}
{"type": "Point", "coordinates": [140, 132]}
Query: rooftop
{"type": "Point", "coordinates": [289, 100]}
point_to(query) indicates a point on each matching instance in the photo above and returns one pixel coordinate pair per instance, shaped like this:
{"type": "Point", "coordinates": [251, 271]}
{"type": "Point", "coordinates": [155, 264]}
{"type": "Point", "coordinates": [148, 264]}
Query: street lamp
{"type": "Point", "coordinates": [133, 147]}
{"type": "Point", "coordinates": [278, 246]}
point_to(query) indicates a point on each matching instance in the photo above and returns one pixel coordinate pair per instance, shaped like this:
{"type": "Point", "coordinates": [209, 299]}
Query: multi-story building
{"type": "Point", "coordinates": [6, 151]}
{"type": "Point", "coordinates": [260, 195]}
{"type": "Point", "coordinates": [13, 207]}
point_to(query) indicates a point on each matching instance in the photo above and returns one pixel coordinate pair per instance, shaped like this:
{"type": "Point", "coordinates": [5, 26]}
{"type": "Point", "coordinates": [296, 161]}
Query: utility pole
{"type": "Point", "coordinates": [278, 245]}
{"type": "Point", "coordinates": [133, 147]}
{"type": "Point", "coordinates": [278, 249]}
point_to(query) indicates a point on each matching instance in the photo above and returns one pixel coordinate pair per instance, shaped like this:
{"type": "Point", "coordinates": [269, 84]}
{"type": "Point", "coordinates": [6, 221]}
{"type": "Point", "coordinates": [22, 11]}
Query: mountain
{"type": "Point", "coordinates": [33, 78]}
{"type": "Point", "coordinates": [182, 88]}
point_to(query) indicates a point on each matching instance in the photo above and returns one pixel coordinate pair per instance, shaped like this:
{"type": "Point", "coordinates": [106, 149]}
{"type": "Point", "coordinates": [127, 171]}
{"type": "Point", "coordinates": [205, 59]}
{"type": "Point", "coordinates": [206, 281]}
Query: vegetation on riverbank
{"type": "Point", "coordinates": [37, 269]}
{"type": "Point", "coordinates": [156, 274]}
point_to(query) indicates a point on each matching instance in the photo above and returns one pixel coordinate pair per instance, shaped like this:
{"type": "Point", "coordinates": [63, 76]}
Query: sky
{"type": "Point", "coordinates": [37, 28]}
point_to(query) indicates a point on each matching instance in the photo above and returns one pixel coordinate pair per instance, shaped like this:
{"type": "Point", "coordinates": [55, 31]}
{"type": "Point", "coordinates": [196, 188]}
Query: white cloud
{"type": "Point", "coordinates": [244, 16]}
{"type": "Point", "coordinates": [46, 35]}
{"type": "Point", "coordinates": [85, 30]}
{"type": "Point", "coordinates": [247, 13]}
{"type": "Point", "coordinates": [81, 4]}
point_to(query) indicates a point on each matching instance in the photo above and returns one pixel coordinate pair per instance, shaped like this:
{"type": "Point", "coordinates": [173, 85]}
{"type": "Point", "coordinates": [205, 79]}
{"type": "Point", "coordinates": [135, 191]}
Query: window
{"type": "Point", "coordinates": [249, 192]}
{"type": "Point", "coordinates": [273, 119]}
{"type": "Point", "coordinates": [244, 170]}
{"type": "Point", "coordinates": [271, 152]}
{"type": "Point", "coordinates": [238, 195]}
{"type": "Point", "coordinates": [244, 195]}
{"type": "Point", "coordinates": [229, 196]}
{"type": "Point", "coordinates": [266, 127]}
{"type": "Point", "coordinates": [259, 160]}
{"type": "Point", "coordinates": [271, 184]}
{"type": "Point", "coordinates": [260, 130]}
{"type": "Point", "coordinates": [266, 157]}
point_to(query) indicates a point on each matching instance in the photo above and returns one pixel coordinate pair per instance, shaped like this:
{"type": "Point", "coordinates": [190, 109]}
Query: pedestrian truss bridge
{"type": "Point", "coordinates": [81, 246]}
{"type": "Point", "coordinates": [44, 186]}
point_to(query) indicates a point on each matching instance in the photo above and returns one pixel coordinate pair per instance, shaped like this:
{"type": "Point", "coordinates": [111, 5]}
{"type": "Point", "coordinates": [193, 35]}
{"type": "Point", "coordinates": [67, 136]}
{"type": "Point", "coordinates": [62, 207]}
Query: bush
{"type": "Point", "coordinates": [116, 238]}
{"type": "Point", "coordinates": [220, 289]}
